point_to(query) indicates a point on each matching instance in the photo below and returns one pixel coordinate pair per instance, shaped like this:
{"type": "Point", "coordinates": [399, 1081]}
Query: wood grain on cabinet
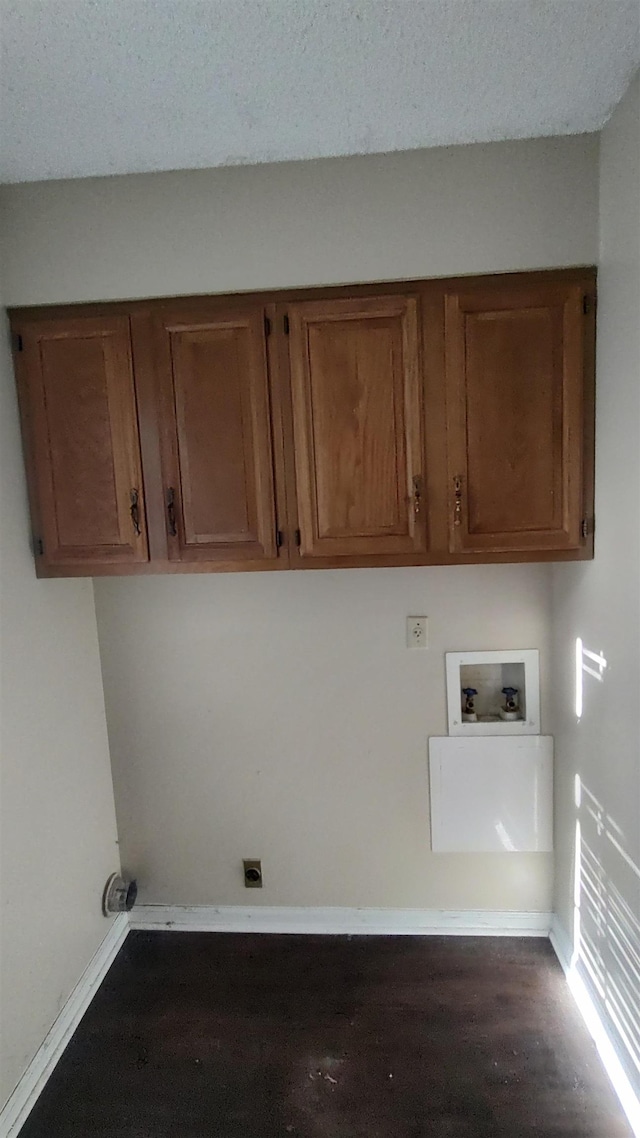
{"type": "Point", "coordinates": [78, 404]}
{"type": "Point", "coordinates": [215, 433]}
{"type": "Point", "coordinates": [357, 427]}
{"type": "Point", "coordinates": [322, 415]}
{"type": "Point", "coordinates": [515, 363]}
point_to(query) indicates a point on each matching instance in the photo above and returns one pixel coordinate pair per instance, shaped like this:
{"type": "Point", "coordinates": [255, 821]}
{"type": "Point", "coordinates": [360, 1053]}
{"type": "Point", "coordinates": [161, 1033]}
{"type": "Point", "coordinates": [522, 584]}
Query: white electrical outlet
{"type": "Point", "coordinates": [417, 632]}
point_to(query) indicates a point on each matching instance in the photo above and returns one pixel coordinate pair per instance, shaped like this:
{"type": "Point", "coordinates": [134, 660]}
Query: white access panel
{"type": "Point", "coordinates": [491, 794]}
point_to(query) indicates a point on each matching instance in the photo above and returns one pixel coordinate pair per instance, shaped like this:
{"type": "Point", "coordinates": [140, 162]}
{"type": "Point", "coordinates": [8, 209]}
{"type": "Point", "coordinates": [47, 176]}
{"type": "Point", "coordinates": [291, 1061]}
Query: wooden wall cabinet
{"type": "Point", "coordinates": [212, 391]}
{"type": "Point", "coordinates": [357, 426]}
{"type": "Point", "coordinates": [433, 422]}
{"type": "Point", "coordinates": [515, 367]}
{"type": "Point", "coordinates": [81, 433]}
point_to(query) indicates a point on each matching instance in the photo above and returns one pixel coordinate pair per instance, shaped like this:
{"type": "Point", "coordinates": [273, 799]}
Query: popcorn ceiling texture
{"type": "Point", "coordinates": [93, 88]}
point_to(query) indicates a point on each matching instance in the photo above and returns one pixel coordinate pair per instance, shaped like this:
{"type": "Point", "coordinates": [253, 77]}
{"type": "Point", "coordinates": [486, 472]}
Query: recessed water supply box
{"type": "Point", "coordinates": [493, 693]}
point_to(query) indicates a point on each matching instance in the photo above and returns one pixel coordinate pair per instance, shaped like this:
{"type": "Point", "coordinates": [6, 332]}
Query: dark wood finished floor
{"type": "Point", "coordinates": [200, 1035]}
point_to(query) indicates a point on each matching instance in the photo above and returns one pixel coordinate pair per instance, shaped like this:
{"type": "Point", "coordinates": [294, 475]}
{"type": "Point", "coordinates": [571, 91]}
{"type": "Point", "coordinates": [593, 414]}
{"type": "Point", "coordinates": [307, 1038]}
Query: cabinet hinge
{"type": "Point", "coordinates": [587, 527]}
{"type": "Point", "coordinates": [17, 342]}
{"type": "Point", "coordinates": [586, 304]}
{"type": "Point", "coordinates": [298, 537]}
{"type": "Point", "coordinates": [38, 546]}
{"type": "Point", "coordinates": [267, 326]}
{"type": "Point", "coordinates": [279, 539]}
{"type": "Point", "coordinates": [286, 325]}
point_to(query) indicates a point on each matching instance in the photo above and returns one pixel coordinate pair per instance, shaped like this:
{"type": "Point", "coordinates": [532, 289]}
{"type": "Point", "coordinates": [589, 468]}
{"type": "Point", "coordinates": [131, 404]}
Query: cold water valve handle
{"type": "Point", "coordinates": [510, 710]}
{"type": "Point", "coordinates": [469, 706]}
{"type": "Point", "coordinates": [510, 699]}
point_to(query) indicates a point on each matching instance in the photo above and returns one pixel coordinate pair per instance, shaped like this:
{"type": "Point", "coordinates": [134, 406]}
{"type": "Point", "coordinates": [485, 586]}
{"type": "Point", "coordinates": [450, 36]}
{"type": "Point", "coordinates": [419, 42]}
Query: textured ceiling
{"type": "Point", "coordinates": [94, 87]}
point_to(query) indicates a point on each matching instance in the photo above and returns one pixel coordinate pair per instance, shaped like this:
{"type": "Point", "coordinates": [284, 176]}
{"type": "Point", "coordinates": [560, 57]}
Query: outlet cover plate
{"type": "Point", "coordinates": [252, 872]}
{"type": "Point", "coordinates": [417, 632]}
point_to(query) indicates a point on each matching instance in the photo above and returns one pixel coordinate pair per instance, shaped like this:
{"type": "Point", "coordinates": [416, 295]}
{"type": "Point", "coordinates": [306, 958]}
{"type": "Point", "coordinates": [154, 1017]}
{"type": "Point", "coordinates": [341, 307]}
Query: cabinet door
{"type": "Point", "coordinates": [515, 378]}
{"type": "Point", "coordinates": [78, 402]}
{"type": "Point", "coordinates": [357, 414]}
{"type": "Point", "coordinates": [216, 434]}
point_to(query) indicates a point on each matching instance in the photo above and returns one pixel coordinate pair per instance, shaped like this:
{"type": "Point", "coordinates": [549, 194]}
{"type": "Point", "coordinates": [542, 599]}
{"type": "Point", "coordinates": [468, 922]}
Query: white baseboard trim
{"type": "Point", "coordinates": [561, 942]}
{"type": "Point", "coordinates": [24, 1097]}
{"type": "Point", "coordinates": [599, 1030]}
{"type": "Point", "coordinates": [381, 922]}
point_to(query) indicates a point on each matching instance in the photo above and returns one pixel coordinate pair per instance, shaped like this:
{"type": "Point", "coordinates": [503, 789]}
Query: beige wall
{"type": "Point", "coordinates": [465, 209]}
{"type": "Point", "coordinates": [600, 603]}
{"type": "Point", "coordinates": [57, 820]}
{"type": "Point", "coordinates": [280, 715]}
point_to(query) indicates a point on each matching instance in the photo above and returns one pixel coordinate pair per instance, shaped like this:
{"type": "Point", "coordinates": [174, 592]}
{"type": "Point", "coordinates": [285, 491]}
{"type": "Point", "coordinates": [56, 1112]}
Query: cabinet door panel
{"type": "Point", "coordinates": [357, 425]}
{"type": "Point", "coordinates": [79, 400]}
{"type": "Point", "coordinates": [216, 434]}
{"type": "Point", "coordinates": [515, 371]}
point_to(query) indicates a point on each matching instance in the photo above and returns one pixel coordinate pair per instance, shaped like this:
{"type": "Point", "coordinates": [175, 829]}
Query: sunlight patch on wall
{"type": "Point", "coordinates": [587, 663]}
{"type": "Point", "coordinates": [605, 963]}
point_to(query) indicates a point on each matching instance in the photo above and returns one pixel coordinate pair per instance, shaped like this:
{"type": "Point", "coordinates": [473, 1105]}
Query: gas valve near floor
{"type": "Point", "coordinates": [119, 895]}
